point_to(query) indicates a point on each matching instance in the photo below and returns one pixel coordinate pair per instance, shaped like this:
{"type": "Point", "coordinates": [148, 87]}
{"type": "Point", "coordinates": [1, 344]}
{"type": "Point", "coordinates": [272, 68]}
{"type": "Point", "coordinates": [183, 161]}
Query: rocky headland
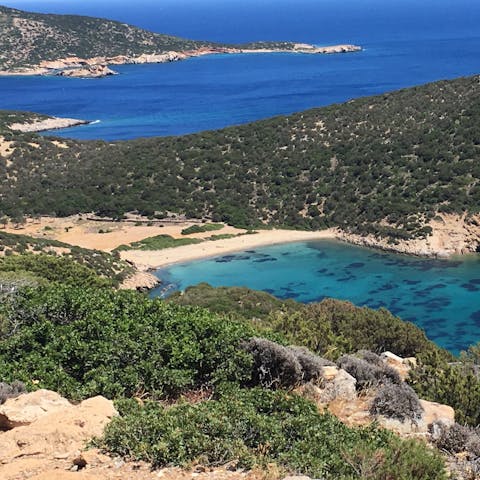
{"type": "Point", "coordinates": [51, 123]}
{"type": "Point", "coordinates": [451, 235]}
{"type": "Point", "coordinates": [98, 67]}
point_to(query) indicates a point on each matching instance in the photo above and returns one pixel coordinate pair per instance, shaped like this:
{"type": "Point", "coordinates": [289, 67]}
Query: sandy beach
{"type": "Point", "coordinates": [149, 260]}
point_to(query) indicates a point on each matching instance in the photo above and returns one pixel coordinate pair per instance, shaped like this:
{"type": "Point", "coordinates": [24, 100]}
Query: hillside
{"type": "Point", "coordinates": [78, 46]}
{"type": "Point", "coordinates": [27, 38]}
{"type": "Point", "coordinates": [385, 165]}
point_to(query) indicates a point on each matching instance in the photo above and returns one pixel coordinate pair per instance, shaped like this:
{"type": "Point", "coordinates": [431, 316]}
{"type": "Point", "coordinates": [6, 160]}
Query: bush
{"type": "Point", "coordinates": [207, 227]}
{"type": "Point", "coordinates": [457, 438]}
{"type": "Point", "coordinates": [457, 385]}
{"type": "Point", "coordinates": [311, 364]}
{"type": "Point", "coordinates": [397, 401]}
{"type": "Point", "coordinates": [84, 342]}
{"type": "Point", "coordinates": [368, 374]}
{"type": "Point", "coordinates": [274, 366]}
{"type": "Point", "coordinates": [11, 390]}
{"type": "Point", "coordinates": [258, 427]}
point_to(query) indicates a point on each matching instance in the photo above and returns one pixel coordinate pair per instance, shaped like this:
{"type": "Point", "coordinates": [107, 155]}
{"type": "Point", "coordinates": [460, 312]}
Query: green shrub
{"type": "Point", "coordinates": [257, 427]}
{"type": "Point", "coordinates": [206, 227]}
{"type": "Point", "coordinates": [54, 269]}
{"type": "Point", "coordinates": [457, 385]}
{"type": "Point", "coordinates": [83, 342]}
{"type": "Point", "coordinates": [158, 242]}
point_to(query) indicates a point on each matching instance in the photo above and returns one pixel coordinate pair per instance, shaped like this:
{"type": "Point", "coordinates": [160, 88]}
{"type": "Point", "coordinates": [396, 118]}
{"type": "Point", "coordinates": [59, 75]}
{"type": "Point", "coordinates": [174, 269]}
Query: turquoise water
{"type": "Point", "coordinates": [441, 296]}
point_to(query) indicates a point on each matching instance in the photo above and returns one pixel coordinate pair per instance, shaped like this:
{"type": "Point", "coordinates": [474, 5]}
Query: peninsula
{"type": "Point", "coordinates": [76, 46]}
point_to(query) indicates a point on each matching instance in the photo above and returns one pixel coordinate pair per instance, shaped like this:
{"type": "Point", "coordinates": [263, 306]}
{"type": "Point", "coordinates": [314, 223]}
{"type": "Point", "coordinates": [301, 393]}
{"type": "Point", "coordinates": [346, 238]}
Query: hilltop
{"type": "Point", "coordinates": [79, 46]}
{"type": "Point", "coordinates": [394, 166]}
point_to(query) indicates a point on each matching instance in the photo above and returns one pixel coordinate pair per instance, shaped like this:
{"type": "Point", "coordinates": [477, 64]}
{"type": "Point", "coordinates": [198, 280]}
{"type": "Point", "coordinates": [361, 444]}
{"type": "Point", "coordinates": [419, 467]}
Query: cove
{"type": "Point", "coordinates": [440, 296]}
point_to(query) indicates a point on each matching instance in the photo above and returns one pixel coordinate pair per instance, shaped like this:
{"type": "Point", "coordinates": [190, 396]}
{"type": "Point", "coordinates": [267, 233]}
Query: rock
{"type": "Point", "coordinates": [297, 477]}
{"type": "Point", "coordinates": [28, 408]}
{"type": "Point", "coordinates": [436, 412]}
{"type": "Point", "coordinates": [397, 363]}
{"type": "Point", "coordinates": [432, 413]}
{"type": "Point", "coordinates": [90, 71]}
{"type": "Point", "coordinates": [337, 384]}
{"type": "Point", "coordinates": [59, 475]}
{"type": "Point", "coordinates": [63, 432]}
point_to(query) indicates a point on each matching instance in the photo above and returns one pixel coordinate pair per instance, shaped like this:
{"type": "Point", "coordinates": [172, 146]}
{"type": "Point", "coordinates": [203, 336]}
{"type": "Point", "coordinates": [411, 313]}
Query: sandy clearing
{"type": "Point", "coordinates": [79, 231]}
{"type": "Point", "coordinates": [147, 260]}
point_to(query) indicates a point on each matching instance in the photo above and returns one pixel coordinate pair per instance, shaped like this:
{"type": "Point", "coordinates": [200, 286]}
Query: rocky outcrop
{"type": "Point", "coordinates": [452, 234]}
{"type": "Point", "coordinates": [91, 71]}
{"type": "Point", "coordinates": [60, 433]}
{"type": "Point", "coordinates": [401, 365]}
{"type": "Point", "coordinates": [142, 281]}
{"type": "Point", "coordinates": [52, 123]}
{"type": "Point", "coordinates": [47, 430]}
{"type": "Point", "coordinates": [97, 67]}
{"type": "Point", "coordinates": [28, 408]}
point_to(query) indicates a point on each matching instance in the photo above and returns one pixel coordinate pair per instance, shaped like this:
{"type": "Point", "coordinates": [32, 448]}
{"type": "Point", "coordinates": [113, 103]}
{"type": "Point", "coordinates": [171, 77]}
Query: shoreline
{"type": "Point", "coordinates": [151, 260]}
{"type": "Point", "coordinates": [98, 67]}
{"type": "Point", "coordinates": [52, 123]}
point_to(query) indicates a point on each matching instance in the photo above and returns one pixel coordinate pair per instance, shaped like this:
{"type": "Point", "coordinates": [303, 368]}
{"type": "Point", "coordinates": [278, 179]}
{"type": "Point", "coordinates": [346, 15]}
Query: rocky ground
{"type": "Point", "coordinates": [45, 437]}
{"type": "Point", "coordinates": [452, 234]}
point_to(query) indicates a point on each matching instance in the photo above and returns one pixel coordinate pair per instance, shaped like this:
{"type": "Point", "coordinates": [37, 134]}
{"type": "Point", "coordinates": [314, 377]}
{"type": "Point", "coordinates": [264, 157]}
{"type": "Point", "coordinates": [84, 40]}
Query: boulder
{"type": "Point", "coordinates": [60, 434]}
{"type": "Point", "coordinates": [401, 365]}
{"type": "Point", "coordinates": [432, 414]}
{"type": "Point", "coordinates": [28, 408]}
{"type": "Point", "coordinates": [436, 412]}
{"type": "Point", "coordinates": [338, 384]}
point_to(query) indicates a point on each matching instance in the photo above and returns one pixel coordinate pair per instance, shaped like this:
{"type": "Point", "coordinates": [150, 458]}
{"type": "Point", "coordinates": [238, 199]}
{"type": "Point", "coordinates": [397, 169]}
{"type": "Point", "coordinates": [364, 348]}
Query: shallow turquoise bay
{"type": "Point", "coordinates": [441, 296]}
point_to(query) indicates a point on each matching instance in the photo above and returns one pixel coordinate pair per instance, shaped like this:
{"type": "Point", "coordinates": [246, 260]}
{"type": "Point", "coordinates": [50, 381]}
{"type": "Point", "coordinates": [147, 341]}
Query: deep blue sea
{"type": "Point", "coordinates": [406, 43]}
{"type": "Point", "coordinates": [441, 296]}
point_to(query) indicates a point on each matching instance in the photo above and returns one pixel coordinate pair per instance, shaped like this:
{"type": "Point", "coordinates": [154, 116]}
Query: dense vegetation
{"type": "Point", "coordinates": [159, 242]}
{"type": "Point", "coordinates": [329, 328]}
{"type": "Point", "coordinates": [27, 38]}
{"type": "Point", "coordinates": [260, 428]}
{"type": "Point", "coordinates": [456, 384]}
{"type": "Point", "coordinates": [87, 341]}
{"type": "Point", "coordinates": [396, 159]}
{"type": "Point", "coordinates": [57, 261]}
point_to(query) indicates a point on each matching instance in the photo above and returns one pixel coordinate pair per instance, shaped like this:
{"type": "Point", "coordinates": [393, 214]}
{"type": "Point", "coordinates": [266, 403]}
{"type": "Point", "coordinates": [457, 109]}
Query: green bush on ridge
{"type": "Point", "coordinates": [256, 427]}
{"type": "Point", "coordinates": [83, 342]}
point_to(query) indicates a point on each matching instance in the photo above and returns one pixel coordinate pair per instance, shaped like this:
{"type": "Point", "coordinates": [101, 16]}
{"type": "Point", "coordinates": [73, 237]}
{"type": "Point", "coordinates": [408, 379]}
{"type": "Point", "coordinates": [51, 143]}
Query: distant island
{"type": "Point", "coordinates": [78, 46]}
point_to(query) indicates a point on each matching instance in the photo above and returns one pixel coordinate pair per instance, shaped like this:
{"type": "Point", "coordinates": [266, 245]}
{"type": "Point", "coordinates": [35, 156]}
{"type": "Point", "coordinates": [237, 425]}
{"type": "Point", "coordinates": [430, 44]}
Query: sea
{"type": "Point", "coordinates": [405, 43]}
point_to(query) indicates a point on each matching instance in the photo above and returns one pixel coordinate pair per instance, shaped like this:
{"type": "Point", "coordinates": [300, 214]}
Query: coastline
{"type": "Point", "coordinates": [150, 260]}
{"type": "Point", "coordinates": [52, 123]}
{"type": "Point", "coordinates": [98, 67]}
{"type": "Point", "coordinates": [452, 236]}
